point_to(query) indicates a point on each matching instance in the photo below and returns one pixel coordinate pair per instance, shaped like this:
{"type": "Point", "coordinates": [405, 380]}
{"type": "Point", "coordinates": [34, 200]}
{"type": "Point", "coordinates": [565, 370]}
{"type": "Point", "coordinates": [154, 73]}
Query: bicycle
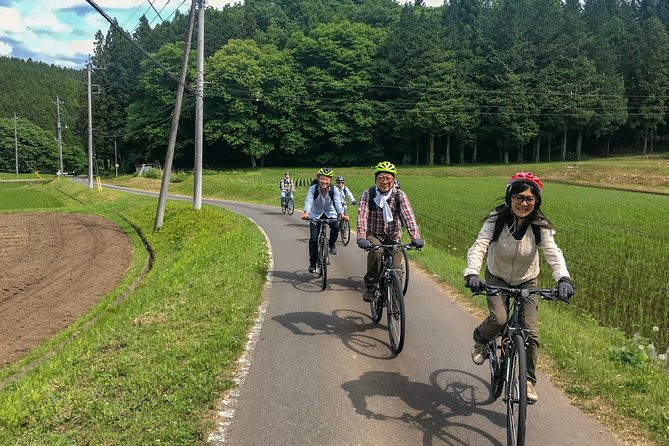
{"type": "Point", "coordinates": [388, 292]}
{"type": "Point", "coordinates": [323, 249]}
{"type": "Point", "coordinates": [507, 359]}
{"type": "Point", "coordinates": [345, 230]}
{"type": "Point", "coordinates": [288, 204]}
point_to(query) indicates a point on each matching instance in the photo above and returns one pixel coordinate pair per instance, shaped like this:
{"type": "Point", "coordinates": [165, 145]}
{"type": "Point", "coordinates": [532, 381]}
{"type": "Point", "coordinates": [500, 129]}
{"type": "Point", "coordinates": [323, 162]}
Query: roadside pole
{"type": "Point", "coordinates": [90, 127]}
{"type": "Point", "coordinates": [60, 139]}
{"type": "Point", "coordinates": [16, 147]}
{"type": "Point", "coordinates": [199, 110]}
{"type": "Point", "coordinates": [167, 167]}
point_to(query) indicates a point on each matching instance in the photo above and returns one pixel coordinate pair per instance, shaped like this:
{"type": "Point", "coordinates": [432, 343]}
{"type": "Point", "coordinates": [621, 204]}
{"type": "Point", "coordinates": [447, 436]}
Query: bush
{"type": "Point", "coordinates": [178, 177]}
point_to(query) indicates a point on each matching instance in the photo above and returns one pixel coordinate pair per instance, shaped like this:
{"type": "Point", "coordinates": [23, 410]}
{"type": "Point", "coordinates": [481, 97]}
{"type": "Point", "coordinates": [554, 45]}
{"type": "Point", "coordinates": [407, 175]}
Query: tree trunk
{"type": "Point", "coordinates": [430, 153]}
{"type": "Point", "coordinates": [417, 146]}
{"type": "Point", "coordinates": [476, 144]}
{"type": "Point", "coordinates": [505, 156]}
{"type": "Point", "coordinates": [607, 150]}
{"type": "Point", "coordinates": [537, 148]}
{"type": "Point", "coordinates": [520, 153]}
{"type": "Point", "coordinates": [563, 155]}
{"type": "Point", "coordinates": [262, 161]}
{"type": "Point", "coordinates": [652, 140]}
{"type": "Point", "coordinates": [462, 152]}
{"type": "Point", "coordinates": [448, 149]}
{"type": "Point", "coordinates": [579, 140]}
{"type": "Point", "coordinates": [645, 140]}
{"type": "Point", "coordinates": [253, 162]}
{"type": "Point", "coordinates": [550, 144]}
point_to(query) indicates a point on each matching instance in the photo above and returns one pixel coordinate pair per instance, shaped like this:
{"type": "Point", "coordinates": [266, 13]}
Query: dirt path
{"type": "Point", "coordinates": [53, 268]}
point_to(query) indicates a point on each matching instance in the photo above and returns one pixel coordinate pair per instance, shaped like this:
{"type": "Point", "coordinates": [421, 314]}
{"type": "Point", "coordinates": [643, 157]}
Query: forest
{"type": "Point", "coordinates": [347, 82]}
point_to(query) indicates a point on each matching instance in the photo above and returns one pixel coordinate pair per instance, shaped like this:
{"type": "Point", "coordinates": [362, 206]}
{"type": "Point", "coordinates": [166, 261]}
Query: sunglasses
{"type": "Point", "coordinates": [529, 199]}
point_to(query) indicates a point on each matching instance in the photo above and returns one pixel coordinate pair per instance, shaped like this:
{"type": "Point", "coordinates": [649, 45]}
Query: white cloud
{"type": "Point", "coordinates": [11, 21]}
{"type": "Point", "coordinates": [47, 21]}
{"type": "Point", "coordinates": [5, 49]}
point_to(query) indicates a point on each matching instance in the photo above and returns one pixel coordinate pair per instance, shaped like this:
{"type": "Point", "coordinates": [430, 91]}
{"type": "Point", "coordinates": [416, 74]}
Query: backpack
{"type": "Point", "coordinates": [372, 204]}
{"type": "Point", "coordinates": [330, 191]}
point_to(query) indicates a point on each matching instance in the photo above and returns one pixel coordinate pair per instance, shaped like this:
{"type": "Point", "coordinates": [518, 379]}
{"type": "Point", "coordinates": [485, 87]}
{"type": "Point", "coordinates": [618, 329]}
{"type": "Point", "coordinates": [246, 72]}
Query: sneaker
{"type": "Point", "coordinates": [333, 250]}
{"type": "Point", "coordinates": [531, 393]}
{"type": "Point", "coordinates": [478, 353]}
{"type": "Point", "coordinates": [312, 269]}
{"type": "Point", "coordinates": [368, 295]}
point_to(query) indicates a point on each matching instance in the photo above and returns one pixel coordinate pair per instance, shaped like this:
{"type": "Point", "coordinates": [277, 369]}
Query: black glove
{"type": "Point", "coordinates": [353, 202]}
{"type": "Point", "coordinates": [417, 242]}
{"type": "Point", "coordinates": [473, 282]}
{"type": "Point", "coordinates": [364, 243]}
{"type": "Point", "coordinates": [565, 288]}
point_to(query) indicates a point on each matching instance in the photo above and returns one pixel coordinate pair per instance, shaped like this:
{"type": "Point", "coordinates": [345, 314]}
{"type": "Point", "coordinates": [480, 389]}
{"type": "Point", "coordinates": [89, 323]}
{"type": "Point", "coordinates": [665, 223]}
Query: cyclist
{"type": "Point", "coordinates": [287, 187]}
{"type": "Point", "coordinates": [345, 192]}
{"type": "Point", "coordinates": [510, 238]}
{"type": "Point", "coordinates": [382, 211]}
{"type": "Point", "coordinates": [323, 201]}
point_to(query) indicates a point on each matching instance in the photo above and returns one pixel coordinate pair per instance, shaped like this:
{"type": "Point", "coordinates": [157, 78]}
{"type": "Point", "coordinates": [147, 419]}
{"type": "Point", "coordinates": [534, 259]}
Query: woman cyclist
{"type": "Point", "coordinates": [322, 202]}
{"type": "Point", "coordinates": [510, 239]}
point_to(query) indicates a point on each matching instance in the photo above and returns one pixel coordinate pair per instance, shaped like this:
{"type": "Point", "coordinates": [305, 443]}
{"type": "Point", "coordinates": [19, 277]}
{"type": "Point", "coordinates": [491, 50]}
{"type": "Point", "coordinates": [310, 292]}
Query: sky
{"type": "Point", "coordinates": [61, 32]}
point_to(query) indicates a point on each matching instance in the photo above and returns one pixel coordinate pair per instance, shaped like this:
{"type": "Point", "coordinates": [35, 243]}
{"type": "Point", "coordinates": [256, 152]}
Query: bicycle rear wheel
{"type": "Point", "coordinates": [404, 277]}
{"type": "Point", "coordinates": [395, 302]}
{"type": "Point", "coordinates": [290, 206]}
{"type": "Point", "coordinates": [516, 393]}
{"type": "Point", "coordinates": [497, 365]}
{"type": "Point", "coordinates": [323, 258]}
{"type": "Point", "coordinates": [345, 232]}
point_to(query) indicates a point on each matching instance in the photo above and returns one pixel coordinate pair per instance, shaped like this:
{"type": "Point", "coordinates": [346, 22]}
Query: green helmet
{"type": "Point", "coordinates": [385, 166]}
{"type": "Point", "coordinates": [326, 172]}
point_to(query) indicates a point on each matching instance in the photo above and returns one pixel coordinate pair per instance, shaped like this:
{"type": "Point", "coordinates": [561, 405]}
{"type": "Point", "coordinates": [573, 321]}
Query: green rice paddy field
{"type": "Point", "coordinates": [15, 196]}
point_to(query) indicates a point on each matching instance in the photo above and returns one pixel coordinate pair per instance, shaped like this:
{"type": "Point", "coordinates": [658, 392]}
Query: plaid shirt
{"type": "Point", "coordinates": [371, 221]}
{"type": "Point", "coordinates": [287, 185]}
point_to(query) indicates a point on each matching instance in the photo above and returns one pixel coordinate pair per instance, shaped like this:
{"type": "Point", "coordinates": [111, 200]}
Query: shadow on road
{"type": "Point", "coordinates": [348, 325]}
{"type": "Point", "coordinates": [436, 408]}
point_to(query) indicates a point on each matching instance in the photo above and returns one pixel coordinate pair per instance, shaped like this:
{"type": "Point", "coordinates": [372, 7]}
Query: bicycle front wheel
{"type": "Point", "coordinates": [290, 207]}
{"type": "Point", "coordinates": [516, 393]}
{"type": "Point", "coordinates": [395, 303]}
{"type": "Point", "coordinates": [405, 273]}
{"type": "Point", "coordinates": [323, 255]}
{"type": "Point", "coordinates": [345, 232]}
{"type": "Point", "coordinates": [283, 206]}
{"type": "Point", "coordinates": [376, 307]}
{"type": "Point", "coordinates": [497, 367]}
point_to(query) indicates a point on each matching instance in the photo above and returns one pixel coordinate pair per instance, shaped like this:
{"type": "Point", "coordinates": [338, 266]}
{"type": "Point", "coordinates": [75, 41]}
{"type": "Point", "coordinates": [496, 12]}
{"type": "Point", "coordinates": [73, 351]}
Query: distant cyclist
{"type": "Point", "coordinates": [323, 201]}
{"type": "Point", "coordinates": [287, 186]}
{"type": "Point", "coordinates": [511, 237]}
{"type": "Point", "coordinates": [381, 212]}
{"type": "Point", "coordinates": [344, 191]}
{"type": "Point", "coordinates": [397, 184]}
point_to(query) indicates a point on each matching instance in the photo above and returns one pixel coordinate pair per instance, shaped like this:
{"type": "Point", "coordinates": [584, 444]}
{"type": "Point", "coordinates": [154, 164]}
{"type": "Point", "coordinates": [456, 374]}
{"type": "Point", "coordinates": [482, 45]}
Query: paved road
{"type": "Point", "coordinates": [322, 373]}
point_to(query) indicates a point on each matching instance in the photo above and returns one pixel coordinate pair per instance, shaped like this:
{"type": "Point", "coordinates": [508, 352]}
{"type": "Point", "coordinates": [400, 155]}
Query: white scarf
{"type": "Point", "coordinates": [381, 201]}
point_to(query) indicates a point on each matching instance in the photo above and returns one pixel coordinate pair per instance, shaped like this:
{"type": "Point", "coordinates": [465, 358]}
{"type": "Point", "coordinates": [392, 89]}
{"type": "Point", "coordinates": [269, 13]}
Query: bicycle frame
{"type": "Point", "coordinates": [508, 370]}
{"type": "Point", "coordinates": [388, 293]}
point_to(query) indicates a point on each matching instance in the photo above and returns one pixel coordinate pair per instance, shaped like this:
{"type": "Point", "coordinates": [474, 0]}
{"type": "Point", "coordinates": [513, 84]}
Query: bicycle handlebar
{"type": "Point", "coordinates": [544, 293]}
{"type": "Point", "coordinates": [396, 246]}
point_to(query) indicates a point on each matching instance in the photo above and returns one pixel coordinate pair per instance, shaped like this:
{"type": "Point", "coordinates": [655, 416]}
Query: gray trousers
{"type": "Point", "coordinates": [375, 260]}
{"type": "Point", "coordinates": [493, 324]}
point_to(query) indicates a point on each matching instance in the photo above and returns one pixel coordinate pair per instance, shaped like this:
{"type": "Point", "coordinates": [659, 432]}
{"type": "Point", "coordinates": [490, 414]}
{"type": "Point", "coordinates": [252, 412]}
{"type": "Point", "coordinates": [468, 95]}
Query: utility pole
{"type": "Point", "coordinates": [115, 159]}
{"type": "Point", "coordinates": [167, 167]}
{"type": "Point", "coordinates": [16, 148]}
{"type": "Point", "coordinates": [90, 127]}
{"type": "Point", "coordinates": [60, 139]}
{"type": "Point", "coordinates": [199, 110]}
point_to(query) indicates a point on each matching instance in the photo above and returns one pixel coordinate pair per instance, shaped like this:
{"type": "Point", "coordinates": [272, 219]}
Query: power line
{"type": "Point", "coordinates": [139, 47]}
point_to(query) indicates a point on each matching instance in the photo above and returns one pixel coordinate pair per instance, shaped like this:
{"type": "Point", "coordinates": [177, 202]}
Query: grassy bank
{"type": "Point", "coordinates": [615, 243]}
{"type": "Point", "coordinates": [149, 369]}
